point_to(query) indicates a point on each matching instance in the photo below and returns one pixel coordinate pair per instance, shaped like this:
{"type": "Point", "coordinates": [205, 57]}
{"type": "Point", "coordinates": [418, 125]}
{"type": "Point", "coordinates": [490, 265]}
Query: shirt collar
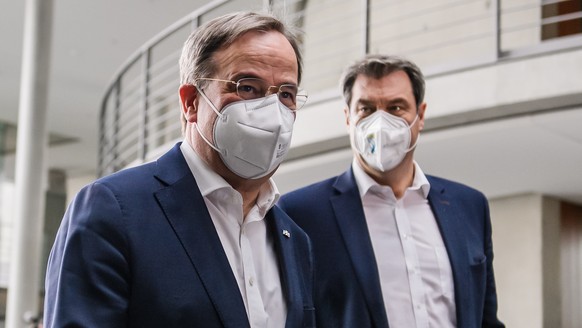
{"type": "Point", "coordinates": [268, 197]}
{"type": "Point", "coordinates": [365, 182]}
{"type": "Point", "coordinates": [209, 181]}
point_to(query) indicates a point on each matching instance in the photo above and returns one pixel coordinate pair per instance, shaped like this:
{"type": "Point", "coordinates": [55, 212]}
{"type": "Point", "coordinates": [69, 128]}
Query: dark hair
{"type": "Point", "coordinates": [378, 66]}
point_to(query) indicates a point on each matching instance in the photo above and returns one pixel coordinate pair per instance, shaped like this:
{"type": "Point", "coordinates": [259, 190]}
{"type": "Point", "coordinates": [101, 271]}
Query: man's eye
{"type": "Point", "coordinates": [395, 108]}
{"type": "Point", "coordinates": [247, 89]}
{"type": "Point", "coordinates": [286, 95]}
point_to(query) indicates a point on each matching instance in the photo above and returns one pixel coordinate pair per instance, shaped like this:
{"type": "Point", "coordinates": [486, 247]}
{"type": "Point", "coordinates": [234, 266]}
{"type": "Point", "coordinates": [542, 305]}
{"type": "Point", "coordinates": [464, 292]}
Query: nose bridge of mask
{"type": "Point", "coordinates": [393, 120]}
{"type": "Point", "coordinates": [252, 104]}
{"type": "Point", "coordinates": [383, 123]}
{"type": "Point", "coordinates": [259, 103]}
{"type": "Point", "coordinates": [250, 113]}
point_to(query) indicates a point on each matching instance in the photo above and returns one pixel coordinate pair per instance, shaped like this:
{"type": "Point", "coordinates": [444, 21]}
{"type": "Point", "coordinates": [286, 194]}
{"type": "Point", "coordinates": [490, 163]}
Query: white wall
{"type": "Point", "coordinates": [524, 229]}
{"type": "Point", "coordinates": [7, 193]}
{"type": "Point", "coordinates": [74, 184]}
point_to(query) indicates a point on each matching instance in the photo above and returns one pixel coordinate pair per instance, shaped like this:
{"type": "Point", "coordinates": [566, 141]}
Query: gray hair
{"type": "Point", "coordinates": [196, 60]}
{"type": "Point", "coordinates": [378, 66]}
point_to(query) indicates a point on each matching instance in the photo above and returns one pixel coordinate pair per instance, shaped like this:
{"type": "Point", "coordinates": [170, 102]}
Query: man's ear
{"type": "Point", "coordinates": [189, 102]}
{"type": "Point", "coordinates": [421, 111]}
{"type": "Point", "coordinates": [347, 115]}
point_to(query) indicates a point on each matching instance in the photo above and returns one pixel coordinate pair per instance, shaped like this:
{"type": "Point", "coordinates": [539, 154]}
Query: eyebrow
{"type": "Point", "coordinates": [365, 102]}
{"type": "Point", "coordinates": [242, 75]}
{"type": "Point", "coordinates": [395, 101]}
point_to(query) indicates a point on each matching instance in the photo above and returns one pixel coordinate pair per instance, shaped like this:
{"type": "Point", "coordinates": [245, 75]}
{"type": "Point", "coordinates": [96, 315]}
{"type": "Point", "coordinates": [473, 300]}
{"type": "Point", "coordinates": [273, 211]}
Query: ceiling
{"type": "Point", "coordinates": [90, 41]}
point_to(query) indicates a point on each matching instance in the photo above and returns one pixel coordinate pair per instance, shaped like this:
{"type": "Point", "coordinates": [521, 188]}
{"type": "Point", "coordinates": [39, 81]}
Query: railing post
{"type": "Point", "coordinates": [106, 167]}
{"type": "Point", "coordinates": [366, 25]}
{"type": "Point", "coordinates": [102, 141]}
{"type": "Point", "coordinates": [143, 117]}
{"type": "Point", "coordinates": [195, 23]}
{"type": "Point", "coordinates": [115, 137]}
{"type": "Point", "coordinates": [497, 27]}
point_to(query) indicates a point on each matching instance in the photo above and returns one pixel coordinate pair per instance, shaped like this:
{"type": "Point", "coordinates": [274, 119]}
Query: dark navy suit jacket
{"type": "Point", "coordinates": [348, 292]}
{"type": "Point", "coordinates": [139, 249]}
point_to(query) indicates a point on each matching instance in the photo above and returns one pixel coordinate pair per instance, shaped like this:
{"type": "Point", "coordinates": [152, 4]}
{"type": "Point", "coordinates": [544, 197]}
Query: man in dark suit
{"type": "Point", "coordinates": [393, 246]}
{"type": "Point", "coordinates": [195, 239]}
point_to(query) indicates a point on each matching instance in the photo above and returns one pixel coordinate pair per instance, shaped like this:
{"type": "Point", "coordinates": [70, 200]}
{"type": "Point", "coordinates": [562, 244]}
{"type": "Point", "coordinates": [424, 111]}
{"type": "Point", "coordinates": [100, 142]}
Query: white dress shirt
{"type": "Point", "coordinates": [248, 246]}
{"type": "Point", "coordinates": [413, 264]}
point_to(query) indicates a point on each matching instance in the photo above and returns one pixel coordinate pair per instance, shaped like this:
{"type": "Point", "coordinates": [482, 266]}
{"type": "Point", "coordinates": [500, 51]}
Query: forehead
{"type": "Point", "coordinates": [267, 55]}
{"type": "Point", "coordinates": [394, 85]}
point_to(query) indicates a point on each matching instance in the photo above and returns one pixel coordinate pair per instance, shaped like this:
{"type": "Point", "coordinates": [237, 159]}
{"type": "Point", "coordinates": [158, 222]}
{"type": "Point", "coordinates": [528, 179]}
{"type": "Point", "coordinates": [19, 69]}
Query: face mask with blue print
{"type": "Point", "coordinates": [383, 140]}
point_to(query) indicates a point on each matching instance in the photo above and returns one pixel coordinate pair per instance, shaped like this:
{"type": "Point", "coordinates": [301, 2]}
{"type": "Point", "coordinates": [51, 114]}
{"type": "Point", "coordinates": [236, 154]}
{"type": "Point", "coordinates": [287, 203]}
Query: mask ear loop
{"type": "Point", "coordinates": [198, 128]}
{"type": "Point", "coordinates": [417, 137]}
{"type": "Point", "coordinates": [208, 101]}
{"type": "Point", "coordinates": [353, 139]}
{"type": "Point", "coordinates": [206, 140]}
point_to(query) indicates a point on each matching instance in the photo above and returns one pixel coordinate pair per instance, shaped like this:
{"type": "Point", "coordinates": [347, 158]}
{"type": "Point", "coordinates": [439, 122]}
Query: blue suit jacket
{"type": "Point", "coordinates": [348, 292]}
{"type": "Point", "coordinates": [139, 249]}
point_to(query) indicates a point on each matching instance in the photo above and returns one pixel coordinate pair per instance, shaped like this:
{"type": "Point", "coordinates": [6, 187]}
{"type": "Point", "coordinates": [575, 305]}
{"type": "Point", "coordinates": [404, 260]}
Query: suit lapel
{"type": "Point", "coordinates": [450, 224]}
{"type": "Point", "coordinates": [288, 267]}
{"type": "Point", "coordinates": [351, 221]}
{"type": "Point", "coordinates": [186, 212]}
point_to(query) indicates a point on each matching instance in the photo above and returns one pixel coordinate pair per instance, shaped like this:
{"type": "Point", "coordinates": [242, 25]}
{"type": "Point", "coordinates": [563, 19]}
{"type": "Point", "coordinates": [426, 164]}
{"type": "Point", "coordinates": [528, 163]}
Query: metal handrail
{"type": "Point", "coordinates": [108, 142]}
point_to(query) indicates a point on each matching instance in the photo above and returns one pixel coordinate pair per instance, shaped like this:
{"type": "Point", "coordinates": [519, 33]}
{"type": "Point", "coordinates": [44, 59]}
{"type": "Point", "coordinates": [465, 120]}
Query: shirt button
{"type": "Point", "coordinates": [251, 281]}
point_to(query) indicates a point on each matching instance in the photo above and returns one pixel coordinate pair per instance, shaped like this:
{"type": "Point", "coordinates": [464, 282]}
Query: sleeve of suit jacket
{"type": "Point", "coordinates": [87, 273]}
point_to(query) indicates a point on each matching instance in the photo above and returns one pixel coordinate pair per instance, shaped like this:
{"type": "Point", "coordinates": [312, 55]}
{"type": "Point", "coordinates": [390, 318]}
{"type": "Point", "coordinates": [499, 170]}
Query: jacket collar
{"type": "Point", "coordinates": [351, 220]}
{"type": "Point", "coordinates": [186, 212]}
{"type": "Point", "coordinates": [280, 227]}
{"type": "Point", "coordinates": [450, 218]}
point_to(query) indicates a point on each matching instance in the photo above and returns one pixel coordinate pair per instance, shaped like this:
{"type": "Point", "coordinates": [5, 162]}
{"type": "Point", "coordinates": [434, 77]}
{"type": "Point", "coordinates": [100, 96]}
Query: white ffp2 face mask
{"type": "Point", "coordinates": [252, 136]}
{"type": "Point", "coordinates": [383, 140]}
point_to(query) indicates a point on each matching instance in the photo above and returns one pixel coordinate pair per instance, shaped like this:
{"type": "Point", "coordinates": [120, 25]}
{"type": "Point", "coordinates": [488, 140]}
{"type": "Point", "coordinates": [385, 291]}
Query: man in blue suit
{"type": "Point", "coordinates": [393, 246]}
{"type": "Point", "coordinates": [194, 239]}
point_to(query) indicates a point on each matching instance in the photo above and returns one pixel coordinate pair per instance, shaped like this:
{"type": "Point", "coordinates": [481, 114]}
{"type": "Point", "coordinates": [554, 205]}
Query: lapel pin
{"type": "Point", "coordinates": [286, 234]}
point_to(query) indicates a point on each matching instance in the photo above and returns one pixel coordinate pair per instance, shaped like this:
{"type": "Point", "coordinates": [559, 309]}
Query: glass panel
{"type": "Point", "coordinates": [561, 18]}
